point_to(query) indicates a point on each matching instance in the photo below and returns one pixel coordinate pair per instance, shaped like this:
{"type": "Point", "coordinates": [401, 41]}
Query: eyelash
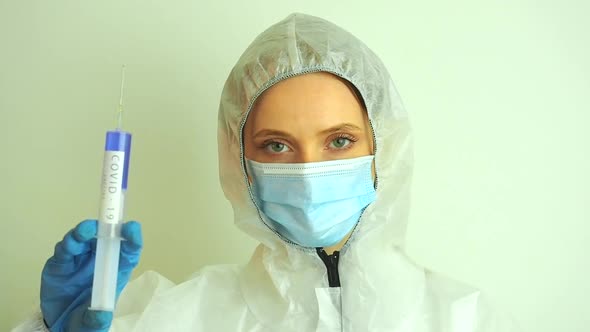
{"type": "Point", "coordinates": [266, 144]}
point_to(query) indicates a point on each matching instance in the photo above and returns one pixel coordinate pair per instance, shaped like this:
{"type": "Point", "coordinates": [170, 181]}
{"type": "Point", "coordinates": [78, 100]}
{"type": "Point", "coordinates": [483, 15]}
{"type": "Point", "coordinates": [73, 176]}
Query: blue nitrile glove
{"type": "Point", "coordinates": [66, 280]}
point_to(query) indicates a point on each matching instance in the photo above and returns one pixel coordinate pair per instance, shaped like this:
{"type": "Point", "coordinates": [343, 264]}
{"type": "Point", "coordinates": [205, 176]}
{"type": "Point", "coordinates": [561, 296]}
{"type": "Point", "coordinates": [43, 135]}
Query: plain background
{"type": "Point", "coordinates": [498, 94]}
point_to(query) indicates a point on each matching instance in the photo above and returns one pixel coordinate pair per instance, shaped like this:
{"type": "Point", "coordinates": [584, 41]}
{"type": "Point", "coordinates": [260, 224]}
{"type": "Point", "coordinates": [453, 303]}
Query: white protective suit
{"type": "Point", "coordinates": [285, 287]}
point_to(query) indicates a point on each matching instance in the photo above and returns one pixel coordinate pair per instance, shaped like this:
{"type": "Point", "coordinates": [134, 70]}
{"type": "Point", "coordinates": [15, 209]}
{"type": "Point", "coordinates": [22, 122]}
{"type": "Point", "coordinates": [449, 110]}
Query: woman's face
{"type": "Point", "coordinates": [307, 118]}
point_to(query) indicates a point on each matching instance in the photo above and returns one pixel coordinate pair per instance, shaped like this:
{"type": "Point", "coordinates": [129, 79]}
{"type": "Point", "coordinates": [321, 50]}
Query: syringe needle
{"type": "Point", "coordinates": [120, 109]}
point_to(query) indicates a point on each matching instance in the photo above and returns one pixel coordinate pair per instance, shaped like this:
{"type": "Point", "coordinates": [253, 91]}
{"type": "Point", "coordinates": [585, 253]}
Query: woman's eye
{"type": "Point", "coordinates": [277, 147]}
{"type": "Point", "coordinates": [340, 142]}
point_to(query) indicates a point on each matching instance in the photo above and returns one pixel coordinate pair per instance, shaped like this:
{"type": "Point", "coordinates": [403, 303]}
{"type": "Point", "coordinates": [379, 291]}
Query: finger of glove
{"type": "Point", "coordinates": [96, 320]}
{"type": "Point", "coordinates": [131, 245]}
{"type": "Point", "coordinates": [76, 242]}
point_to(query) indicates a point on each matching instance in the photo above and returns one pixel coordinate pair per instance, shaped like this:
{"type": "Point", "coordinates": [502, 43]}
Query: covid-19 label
{"type": "Point", "coordinates": [111, 201]}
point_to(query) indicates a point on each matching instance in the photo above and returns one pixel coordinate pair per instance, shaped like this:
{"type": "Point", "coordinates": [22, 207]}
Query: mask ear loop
{"type": "Point", "coordinates": [248, 172]}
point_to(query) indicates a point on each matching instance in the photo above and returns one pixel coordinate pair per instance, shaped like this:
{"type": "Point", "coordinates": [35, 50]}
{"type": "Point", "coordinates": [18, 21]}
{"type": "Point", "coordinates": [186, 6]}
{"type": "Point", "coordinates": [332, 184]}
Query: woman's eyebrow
{"type": "Point", "coordinates": [271, 132]}
{"type": "Point", "coordinates": [341, 127]}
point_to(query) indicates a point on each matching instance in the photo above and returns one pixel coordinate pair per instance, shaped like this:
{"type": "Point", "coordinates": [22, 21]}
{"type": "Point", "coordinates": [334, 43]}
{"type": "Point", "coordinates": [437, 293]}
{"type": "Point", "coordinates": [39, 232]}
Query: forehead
{"type": "Point", "coordinates": [313, 99]}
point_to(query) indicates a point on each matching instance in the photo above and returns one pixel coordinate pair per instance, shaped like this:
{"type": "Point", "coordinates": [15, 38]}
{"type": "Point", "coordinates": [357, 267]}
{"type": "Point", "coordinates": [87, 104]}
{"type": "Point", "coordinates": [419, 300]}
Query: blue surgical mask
{"type": "Point", "coordinates": [313, 204]}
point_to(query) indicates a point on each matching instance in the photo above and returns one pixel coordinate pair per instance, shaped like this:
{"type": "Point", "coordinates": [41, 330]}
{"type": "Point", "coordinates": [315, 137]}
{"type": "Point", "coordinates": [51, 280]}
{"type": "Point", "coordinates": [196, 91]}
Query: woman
{"type": "Point", "coordinates": [315, 158]}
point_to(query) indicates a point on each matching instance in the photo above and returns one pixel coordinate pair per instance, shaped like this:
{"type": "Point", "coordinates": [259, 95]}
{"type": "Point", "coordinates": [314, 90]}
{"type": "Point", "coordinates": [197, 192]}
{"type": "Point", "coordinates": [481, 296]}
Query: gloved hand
{"type": "Point", "coordinates": [66, 280]}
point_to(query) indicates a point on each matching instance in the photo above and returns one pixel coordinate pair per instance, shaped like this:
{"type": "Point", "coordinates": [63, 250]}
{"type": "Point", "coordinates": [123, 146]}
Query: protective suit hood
{"type": "Point", "coordinates": [303, 44]}
{"type": "Point", "coordinates": [284, 284]}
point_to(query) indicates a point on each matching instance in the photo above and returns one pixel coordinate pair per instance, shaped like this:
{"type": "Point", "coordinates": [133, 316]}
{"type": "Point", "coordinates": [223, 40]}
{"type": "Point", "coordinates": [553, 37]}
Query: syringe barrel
{"type": "Point", "coordinates": [113, 188]}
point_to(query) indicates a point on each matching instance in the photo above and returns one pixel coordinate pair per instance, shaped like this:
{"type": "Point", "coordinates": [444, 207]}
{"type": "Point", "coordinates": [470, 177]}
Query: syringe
{"type": "Point", "coordinates": [113, 188]}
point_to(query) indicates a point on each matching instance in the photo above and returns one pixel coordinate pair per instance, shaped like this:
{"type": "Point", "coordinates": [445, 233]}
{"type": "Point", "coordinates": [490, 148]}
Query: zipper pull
{"type": "Point", "coordinates": [331, 262]}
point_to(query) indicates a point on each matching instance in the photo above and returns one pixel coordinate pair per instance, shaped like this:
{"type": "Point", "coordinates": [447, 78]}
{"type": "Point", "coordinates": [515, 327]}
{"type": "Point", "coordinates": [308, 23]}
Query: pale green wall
{"type": "Point", "coordinates": [498, 95]}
